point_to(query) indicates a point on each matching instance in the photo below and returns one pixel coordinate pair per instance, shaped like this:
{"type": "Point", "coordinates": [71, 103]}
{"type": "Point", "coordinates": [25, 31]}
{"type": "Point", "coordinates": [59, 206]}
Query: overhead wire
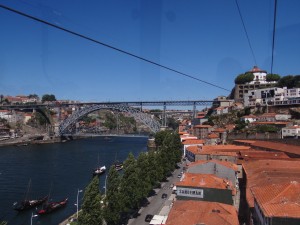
{"type": "Point", "coordinates": [273, 37]}
{"type": "Point", "coordinates": [109, 46]}
{"type": "Point", "coordinates": [239, 10]}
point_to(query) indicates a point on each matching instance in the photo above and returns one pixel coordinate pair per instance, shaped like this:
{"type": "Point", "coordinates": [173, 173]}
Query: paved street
{"type": "Point", "coordinates": [158, 205]}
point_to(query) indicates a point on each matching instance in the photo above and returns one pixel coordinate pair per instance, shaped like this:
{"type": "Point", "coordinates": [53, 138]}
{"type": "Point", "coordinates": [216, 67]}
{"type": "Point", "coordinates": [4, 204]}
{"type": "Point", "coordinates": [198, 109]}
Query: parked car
{"type": "Point", "coordinates": [164, 195]}
{"type": "Point", "coordinates": [148, 218]}
{"type": "Point", "coordinates": [179, 176]}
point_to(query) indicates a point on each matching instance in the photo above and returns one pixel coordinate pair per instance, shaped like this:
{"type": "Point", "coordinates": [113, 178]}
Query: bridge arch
{"type": "Point", "coordinates": [138, 115]}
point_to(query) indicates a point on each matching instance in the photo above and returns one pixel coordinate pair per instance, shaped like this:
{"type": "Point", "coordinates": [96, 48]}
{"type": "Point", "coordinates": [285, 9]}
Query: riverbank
{"type": "Point", "coordinates": [40, 139]}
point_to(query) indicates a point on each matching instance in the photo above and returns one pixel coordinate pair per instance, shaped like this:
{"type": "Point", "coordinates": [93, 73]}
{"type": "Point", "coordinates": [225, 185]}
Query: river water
{"type": "Point", "coordinates": [59, 169]}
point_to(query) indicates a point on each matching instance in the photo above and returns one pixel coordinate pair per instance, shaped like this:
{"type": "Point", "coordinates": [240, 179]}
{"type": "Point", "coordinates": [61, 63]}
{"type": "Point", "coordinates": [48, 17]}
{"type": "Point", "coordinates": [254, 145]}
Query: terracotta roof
{"type": "Point", "coordinates": [269, 145]}
{"type": "Point", "coordinates": [265, 172]}
{"type": "Point", "coordinates": [256, 69]}
{"type": "Point", "coordinates": [270, 123]}
{"type": "Point", "coordinates": [212, 136]}
{"type": "Point", "coordinates": [202, 126]}
{"type": "Point", "coordinates": [201, 212]}
{"type": "Point", "coordinates": [230, 126]}
{"type": "Point", "coordinates": [192, 141]}
{"type": "Point", "coordinates": [219, 130]}
{"type": "Point", "coordinates": [256, 154]}
{"type": "Point", "coordinates": [293, 127]}
{"type": "Point", "coordinates": [223, 163]}
{"type": "Point", "coordinates": [279, 200]}
{"type": "Point", "coordinates": [249, 116]}
{"type": "Point", "coordinates": [203, 180]}
{"type": "Point", "coordinates": [267, 115]}
{"type": "Point", "coordinates": [207, 149]}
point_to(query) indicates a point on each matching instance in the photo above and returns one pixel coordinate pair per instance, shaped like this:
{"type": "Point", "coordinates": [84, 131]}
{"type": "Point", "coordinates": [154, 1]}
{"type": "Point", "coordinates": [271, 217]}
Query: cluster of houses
{"type": "Point", "coordinates": [247, 182]}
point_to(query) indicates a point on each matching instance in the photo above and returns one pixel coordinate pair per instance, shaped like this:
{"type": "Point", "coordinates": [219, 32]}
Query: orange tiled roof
{"type": "Point", "coordinates": [293, 127]}
{"type": "Point", "coordinates": [256, 154]}
{"type": "Point", "coordinates": [202, 180]}
{"type": "Point", "coordinates": [268, 115]}
{"type": "Point", "coordinates": [268, 145]}
{"type": "Point", "coordinates": [201, 212]}
{"type": "Point", "coordinates": [202, 126]}
{"type": "Point", "coordinates": [249, 116]}
{"type": "Point", "coordinates": [220, 148]}
{"type": "Point", "coordinates": [227, 164]}
{"type": "Point", "coordinates": [212, 136]}
{"type": "Point", "coordinates": [265, 172]}
{"type": "Point", "coordinates": [192, 141]}
{"type": "Point", "coordinates": [279, 200]}
{"type": "Point", "coordinates": [219, 130]}
{"type": "Point", "coordinates": [230, 126]}
{"type": "Point", "coordinates": [271, 123]}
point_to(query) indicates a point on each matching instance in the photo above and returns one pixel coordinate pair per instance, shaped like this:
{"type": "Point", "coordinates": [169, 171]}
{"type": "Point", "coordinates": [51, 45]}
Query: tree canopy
{"type": "Point", "coordinates": [91, 210]}
{"type": "Point", "coordinates": [289, 81]}
{"type": "Point", "coordinates": [244, 78]}
{"type": "Point", "coordinates": [272, 77]}
{"type": "Point", "coordinates": [48, 98]}
{"type": "Point", "coordinates": [128, 191]}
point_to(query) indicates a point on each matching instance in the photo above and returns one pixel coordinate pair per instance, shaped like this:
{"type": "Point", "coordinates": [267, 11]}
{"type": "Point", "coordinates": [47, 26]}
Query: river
{"type": "Point", "coordinates": [59, 169]}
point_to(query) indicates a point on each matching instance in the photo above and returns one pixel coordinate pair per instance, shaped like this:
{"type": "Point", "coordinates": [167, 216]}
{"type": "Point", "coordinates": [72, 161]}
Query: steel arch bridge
{"type": "Point", "coordinates": [138, 115]}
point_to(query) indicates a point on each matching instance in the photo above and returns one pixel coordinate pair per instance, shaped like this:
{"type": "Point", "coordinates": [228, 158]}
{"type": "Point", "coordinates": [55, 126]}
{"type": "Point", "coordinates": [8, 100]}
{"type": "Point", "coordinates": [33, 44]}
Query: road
{"type": "Point", "coordinates": [157, 202]}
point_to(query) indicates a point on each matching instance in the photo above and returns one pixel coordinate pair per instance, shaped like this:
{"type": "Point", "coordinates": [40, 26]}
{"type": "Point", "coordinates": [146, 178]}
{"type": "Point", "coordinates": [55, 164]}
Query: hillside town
{"type": "Point", "coordinates": [240, 158]}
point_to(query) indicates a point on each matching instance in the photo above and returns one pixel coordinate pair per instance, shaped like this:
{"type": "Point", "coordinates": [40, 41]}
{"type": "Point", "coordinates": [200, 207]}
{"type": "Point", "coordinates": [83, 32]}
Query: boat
{"type": "Point", "coordinates": [52, 206]}
{"type": "Point", "coordinates": [118, 165]}
{"type": "Point", "coordinates": [29, 203]}
{"type": "Point", "coordinates": [99, 170]}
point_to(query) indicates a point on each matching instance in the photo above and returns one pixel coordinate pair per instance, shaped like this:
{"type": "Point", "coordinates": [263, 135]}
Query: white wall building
{"type": "Point", "coordinates": [292, 131]}
{"type": "Point", "coordinates": [264, 96]}
{"type": "Point", "coordinates": [292, 93]}
{"type": "Point", "coordinates": [259, 75]}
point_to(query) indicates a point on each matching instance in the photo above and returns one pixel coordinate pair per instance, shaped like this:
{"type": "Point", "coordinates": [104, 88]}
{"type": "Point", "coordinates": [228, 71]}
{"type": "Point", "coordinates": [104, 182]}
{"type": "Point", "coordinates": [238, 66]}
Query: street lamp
{"type": "Point", "coordinates": [32, 217]}
{"type": "Point", "coordinates": [77, 202]}
{"type": "Point", "coordinates": [105, 185]}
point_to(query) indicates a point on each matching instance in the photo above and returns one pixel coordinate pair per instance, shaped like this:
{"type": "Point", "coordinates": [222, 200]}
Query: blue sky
{"type": "Point", "coordinates": [202, 38]}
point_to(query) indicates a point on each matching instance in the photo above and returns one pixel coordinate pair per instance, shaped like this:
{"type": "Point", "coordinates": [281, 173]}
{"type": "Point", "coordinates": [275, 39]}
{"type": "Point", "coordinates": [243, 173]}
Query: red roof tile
{"type": "Point", "coordinates": [279, 200]}
{"type": "Point", "coordinates": [192, 141]}
{"type": "Point", "coordinates": [200, 212]}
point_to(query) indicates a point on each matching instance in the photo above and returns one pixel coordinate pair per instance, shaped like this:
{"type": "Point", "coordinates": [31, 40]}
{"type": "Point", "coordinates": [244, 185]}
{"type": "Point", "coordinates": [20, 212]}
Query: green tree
{"type": "Point", "coordinates": [3, 223]}
{"type": "Point", "coordinates": [266, 128]}
{"type": "Point", "coordinates": [130, 194]}
{"type": "Point", "coordinates": [159, 137]}
{"type": "Point", "coordinates": [155, 171]}
{"type": "Point", "coordinates": [244, 78]}
{"type": "Point", "coordinates": [297, 81]}
{"type": "Point", "coordinates": [272, 77]}
{"type": "Point", "coordinates": [144, 167]}
{"type": "Point", "coordinates": [172, 123]}
{"type": "Point", "coordinates": [33, 96]}
{"type": "Point", "coordinates": [110, 121]}
{"type": "Point", "coordinates": [91, 210]}
{"type": "Point", "coordinates": [48, 98]}
{"type": "Point", "coordinates": [231, 95]}
{"type": "Point", "coordinates": [112, 199]}
{"type": "Point", "coordinates": [286, 81]}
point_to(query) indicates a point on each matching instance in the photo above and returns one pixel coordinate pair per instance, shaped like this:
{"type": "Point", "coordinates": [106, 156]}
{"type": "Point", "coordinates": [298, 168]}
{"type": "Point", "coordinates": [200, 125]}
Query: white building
{"type": "Point", "coordinates": [249, 118]}
{"type": "Point", "coordinates": [292, 93]}
{"type": "Point", "coordinates": [264, 96]}
{"type": "Point", "coordinates": [259, 75]}
{"type": "Point", "coordinates": [292, 131]}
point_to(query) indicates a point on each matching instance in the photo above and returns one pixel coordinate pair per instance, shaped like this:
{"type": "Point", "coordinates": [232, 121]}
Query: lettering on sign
{"type": "Point", "coordinates": [190, 192]}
